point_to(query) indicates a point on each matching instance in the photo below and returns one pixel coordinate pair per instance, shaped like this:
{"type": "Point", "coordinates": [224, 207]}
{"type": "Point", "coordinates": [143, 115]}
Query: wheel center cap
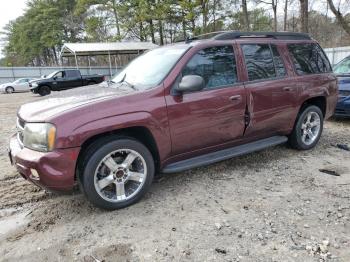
{"type": "Point", "coordinates": [120, 173]}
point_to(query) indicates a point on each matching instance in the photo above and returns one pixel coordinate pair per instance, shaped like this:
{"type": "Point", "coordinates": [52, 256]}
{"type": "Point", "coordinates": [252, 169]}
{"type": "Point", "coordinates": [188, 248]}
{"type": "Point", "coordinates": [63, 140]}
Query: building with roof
{"type": "Point", "coordinates": [115, 55]}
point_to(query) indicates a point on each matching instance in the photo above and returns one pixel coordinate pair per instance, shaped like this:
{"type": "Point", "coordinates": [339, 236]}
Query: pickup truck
{"type": "Point", "coordinates": [63, 80]}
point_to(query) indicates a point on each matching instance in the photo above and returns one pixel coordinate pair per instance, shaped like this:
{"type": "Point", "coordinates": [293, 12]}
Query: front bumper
{"type": "Point", "coordinates": [343, 107]}
{"type": "Point", "coordinates": [34, 90]}
{"type": "Point", "coordinates": [50, 170]}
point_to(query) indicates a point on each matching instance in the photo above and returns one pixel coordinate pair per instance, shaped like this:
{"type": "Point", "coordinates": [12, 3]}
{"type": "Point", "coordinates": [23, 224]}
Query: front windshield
{"type": "Point", "coordinates": [149, 69]}
{"type": "Point", "coordinates": [52, 74]}
{"type": "Point", "coordinates": [343, 67]}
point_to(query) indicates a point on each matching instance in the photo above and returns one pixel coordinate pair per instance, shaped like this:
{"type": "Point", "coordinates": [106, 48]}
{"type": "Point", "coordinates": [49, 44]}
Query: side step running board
{"type": "Point", "coordinates": [214, 157]}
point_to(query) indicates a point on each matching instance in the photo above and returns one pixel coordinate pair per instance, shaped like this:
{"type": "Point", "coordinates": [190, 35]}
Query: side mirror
{"type": "Point", "coordinates": [55, 78]}
{"type": "Point", "coordinates": [190, 83]}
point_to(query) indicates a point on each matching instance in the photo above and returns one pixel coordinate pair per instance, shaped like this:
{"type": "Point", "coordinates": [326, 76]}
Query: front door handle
{"type": "Point", "coordinates": [288, 89]}
{"type": "Point", "coordinates": [235, 98]}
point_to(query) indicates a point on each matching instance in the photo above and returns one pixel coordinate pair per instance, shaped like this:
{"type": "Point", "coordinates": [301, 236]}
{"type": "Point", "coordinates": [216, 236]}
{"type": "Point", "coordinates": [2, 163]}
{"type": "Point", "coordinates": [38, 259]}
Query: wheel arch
{"type": "Point", "coordinates": [10, 87]}
{"type": "Point", "coordinates": [319, 101]}
{"type": "Point", "coordinates": [139, 133]}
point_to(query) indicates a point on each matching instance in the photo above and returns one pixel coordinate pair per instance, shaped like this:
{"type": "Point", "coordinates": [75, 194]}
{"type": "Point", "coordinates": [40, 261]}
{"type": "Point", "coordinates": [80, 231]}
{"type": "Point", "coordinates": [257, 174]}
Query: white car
{"type": "Point", "coordinates": [20, 85]}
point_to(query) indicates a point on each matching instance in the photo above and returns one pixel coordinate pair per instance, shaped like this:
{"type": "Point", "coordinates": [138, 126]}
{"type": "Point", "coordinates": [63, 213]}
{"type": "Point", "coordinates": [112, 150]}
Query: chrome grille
{"type": "Point", "coordinates": [20, 128]}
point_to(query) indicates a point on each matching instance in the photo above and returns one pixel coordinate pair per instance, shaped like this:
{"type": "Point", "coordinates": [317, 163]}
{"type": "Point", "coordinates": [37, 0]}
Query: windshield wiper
{"type": "Point", "coordinates": [127, 83]}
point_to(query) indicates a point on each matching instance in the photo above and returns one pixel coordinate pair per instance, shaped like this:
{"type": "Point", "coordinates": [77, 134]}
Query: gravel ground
{"type": "Point", "coordinates": [274, 205]}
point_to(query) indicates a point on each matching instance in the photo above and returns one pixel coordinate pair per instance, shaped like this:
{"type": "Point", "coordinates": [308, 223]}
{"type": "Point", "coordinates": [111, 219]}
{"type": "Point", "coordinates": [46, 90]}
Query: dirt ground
{"type": "Point", "coordinates": [274, 205]}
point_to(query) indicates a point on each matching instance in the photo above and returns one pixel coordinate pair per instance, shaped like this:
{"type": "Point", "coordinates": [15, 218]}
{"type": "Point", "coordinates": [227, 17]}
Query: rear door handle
{"type": "Point", "coordinates": [235, 98]}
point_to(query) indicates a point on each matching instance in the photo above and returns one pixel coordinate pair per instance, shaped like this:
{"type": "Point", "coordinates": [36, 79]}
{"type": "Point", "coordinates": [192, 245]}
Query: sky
{"type": "Point", "coordinates": [10, 10]}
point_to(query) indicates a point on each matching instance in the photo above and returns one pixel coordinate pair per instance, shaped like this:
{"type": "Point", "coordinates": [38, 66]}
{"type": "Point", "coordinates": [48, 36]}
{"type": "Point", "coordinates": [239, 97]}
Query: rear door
{"type": "Point", "coordinates": [214, 115]}
{"type": "Point", "coordinates": [72, 79]}
{"type": "Point", "coordinates": [272, 96]}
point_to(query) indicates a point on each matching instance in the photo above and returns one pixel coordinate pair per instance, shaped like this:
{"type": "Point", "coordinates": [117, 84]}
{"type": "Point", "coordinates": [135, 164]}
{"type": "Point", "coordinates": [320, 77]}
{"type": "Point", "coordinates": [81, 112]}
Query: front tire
{"type": "Point", "coordinates": [308, 128]}
{"type": "Point", "coordinates": [9, 90]}
{"type": "Point", "coordinates": [117, 172]}
{"type": "Point", "coordinates": [44, 91]}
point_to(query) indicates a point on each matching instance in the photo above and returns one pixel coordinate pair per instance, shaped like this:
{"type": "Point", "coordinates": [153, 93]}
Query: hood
{"type": "Point", "coordinates": [5, 84]}
{"type": "Point", "coordinates": [45, 109]}
{"type": "Point", "coordinates": [38, 80]}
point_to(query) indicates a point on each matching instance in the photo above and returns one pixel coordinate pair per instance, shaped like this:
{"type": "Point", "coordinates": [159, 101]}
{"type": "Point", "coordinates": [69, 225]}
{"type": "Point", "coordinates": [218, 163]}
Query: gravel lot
{"type": "Point", "coordinates": [273, 205]}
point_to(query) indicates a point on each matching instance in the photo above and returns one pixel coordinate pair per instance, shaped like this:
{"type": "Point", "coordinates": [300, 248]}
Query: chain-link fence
{"type": "Point", "coordinates": [9, 74]}
{"type": "Point", "coordinates": [337, 54]}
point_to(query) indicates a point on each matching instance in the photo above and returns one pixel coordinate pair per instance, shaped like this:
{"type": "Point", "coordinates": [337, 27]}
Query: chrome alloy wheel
{"type": "Point", "coordinates": [310, 128]}
{"type": "Point", "coordinates": [120, 175]}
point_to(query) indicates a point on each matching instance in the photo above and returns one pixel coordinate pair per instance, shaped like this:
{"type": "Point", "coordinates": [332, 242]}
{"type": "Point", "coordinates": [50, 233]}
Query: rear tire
{"type": "Point", "coordinates": [117, 172]}
{"type": "Point", "coordinates": [44, 91]}
{"type": "Point", "coordinates": [9, 90]}
{"type": "Point", "coordinates": [308, 128]}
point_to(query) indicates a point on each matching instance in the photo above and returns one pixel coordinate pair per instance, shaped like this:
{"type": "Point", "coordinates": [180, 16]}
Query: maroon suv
{"type": "Point", "coordinates": [177, 107]}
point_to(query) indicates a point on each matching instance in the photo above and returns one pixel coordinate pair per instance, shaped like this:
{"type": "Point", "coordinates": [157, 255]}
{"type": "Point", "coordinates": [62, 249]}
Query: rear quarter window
{"type": "Point", "coordinates": [309, 59]}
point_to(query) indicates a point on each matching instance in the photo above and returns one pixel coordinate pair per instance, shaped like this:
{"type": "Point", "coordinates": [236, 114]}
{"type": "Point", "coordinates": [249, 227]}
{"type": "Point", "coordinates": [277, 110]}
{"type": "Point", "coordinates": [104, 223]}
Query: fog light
{"type": "Point", "coordinates": [35, 174]}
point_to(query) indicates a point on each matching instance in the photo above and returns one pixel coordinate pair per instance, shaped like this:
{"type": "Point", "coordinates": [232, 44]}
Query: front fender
{"type": "Point", "coordinates": [83, 132]}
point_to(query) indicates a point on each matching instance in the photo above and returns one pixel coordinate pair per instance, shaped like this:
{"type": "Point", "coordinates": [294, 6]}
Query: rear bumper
{"type": "Point", "coordinates": [343, 107]}
{"type": "Point", "coordinates": [50, 170]}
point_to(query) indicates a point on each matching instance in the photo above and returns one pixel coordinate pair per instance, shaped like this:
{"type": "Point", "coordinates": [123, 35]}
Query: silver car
{"type": "Point", "coordinates": [20, 85]}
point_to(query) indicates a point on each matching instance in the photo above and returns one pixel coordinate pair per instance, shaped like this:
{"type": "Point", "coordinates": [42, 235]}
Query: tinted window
{"type": "Point", "coordinates": [216, 65]}
{"type": "Point", "coordinates": [309, 59]}
{"type": "Point", "coordinates": [72, 74]}
{"type": "Point", "coordinates": [258, 61]}
{"type": "Point", "coordinates": [280, 69]}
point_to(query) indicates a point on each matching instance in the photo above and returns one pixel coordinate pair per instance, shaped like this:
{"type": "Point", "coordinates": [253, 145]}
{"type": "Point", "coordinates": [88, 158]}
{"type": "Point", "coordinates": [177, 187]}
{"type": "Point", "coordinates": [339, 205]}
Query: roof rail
{"type": "Point", "coordinates": [230, 35]}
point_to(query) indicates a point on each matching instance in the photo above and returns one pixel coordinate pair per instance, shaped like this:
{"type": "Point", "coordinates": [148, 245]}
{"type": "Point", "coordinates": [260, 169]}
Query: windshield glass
{"type": "Point", "coordinates": [149, 69]}
{"type": "Point", "coordinates": [343, 67]}
{"type": "Point", "coordinates": [52, 74]}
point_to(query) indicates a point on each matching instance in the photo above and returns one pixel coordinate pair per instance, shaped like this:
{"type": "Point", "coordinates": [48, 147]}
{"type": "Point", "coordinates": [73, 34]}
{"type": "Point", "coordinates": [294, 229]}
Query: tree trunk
{"type": "Point", "coordinates": [285, 19]}
{"type": "Point", "coordinates": [304, 16]}
{"type": "Point", "coordinates": [183, 25]}
{"type": "Point", "coordinates": [214, 15]}
{"type": "Point", "coordinates": [151, 27]}
{"type": "Point", "coordinates": [274, 8]}
{"type": "Point", "coordinates": [141, 32]}
{"type": "Point", "coordinates": [204, 14]}
{"type": "Point", "coordinates": [115, 12]}
{"type": "Point", "coordinates": [161, 32]}
{"type": "Point", "coordinates": [55, 55]}
{"type": "Point", "coordinates": [340, 17]}
{"type": "Point", "coordinates": [245, 15]}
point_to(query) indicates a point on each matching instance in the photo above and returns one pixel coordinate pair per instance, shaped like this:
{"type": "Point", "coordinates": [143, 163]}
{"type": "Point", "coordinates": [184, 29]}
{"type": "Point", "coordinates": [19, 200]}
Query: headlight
{"type": "Point", "coordinates": [39, 136]}
{"type": "Point", "coordinates": [34, 85]}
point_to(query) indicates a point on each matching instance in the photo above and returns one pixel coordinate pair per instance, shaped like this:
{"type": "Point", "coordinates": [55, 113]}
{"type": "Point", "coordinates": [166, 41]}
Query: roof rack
{"type": "Point", "coordinates": [230, 35]}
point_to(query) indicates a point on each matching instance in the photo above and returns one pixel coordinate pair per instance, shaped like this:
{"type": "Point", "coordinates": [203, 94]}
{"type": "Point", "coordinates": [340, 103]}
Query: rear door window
{"type": "Point", "coordinates": [309, 59]}
{"type": "Point", "coordinates": [216, 65]}
{"type": "Point", "coordinates": [72, 74]}
{"type": "Point", "coordinates": [259, 61]}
